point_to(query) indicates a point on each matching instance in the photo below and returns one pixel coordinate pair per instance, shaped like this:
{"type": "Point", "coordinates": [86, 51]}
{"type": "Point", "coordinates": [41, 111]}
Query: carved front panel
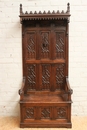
{"type": "Point", "coordinates": [59, 75]}
{"type": "Point", "coordinates": [31, 45]}
{"type": "Point", "coordinates": [46, 74]}
{"type": "Point", "coordinates": [60, 45]}
{"type": "Point", "coordinates": [29, 113]}
{"type": "Point", "coordinates": [31, 76]}
{"type": "Point", "coordinates": [45, 45]}
{"type": "Point", "coordinates": [61, 112]}
{"type": "Point", "coordinates": [45, 113]}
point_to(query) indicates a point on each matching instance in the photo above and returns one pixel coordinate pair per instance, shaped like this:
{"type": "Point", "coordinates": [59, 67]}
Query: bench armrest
{"type": "Point", "coordinates": [21, 91]}
{"type": "Point", "coordinates": [68, 89]}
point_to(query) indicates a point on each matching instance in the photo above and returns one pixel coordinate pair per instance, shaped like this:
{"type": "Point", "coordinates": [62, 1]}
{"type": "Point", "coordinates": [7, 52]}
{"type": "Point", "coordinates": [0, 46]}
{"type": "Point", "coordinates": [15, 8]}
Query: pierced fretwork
{"type": "Point", "coordinates": [31, 76]}
{"type": "Point", "coordinates": [59, 45]}
{"type": "Point", "coordinates": [59, 75]}
{"type": "Point", "coordinates": [29, 113]}
{"type": "Point", "coordinates": [45, 45]}
{"type": "Point", "coordinates": [31, 45]}
{"type": "Point", "coordinates": [45, 76]}
{"type": "Point", "coordinates": [45, 113]}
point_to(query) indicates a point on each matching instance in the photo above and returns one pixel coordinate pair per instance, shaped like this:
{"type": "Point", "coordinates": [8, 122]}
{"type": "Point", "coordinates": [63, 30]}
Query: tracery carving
{"type": "Point", "coordinates": [45, 113]}
{"type": "Point", "coordinates": [31, 76]}
{"type": "Point", "coordinates": [31, 45]}
{"type": "Point", "coordinates": [59, 75]}
{"type": "Point", "coordinates": [30, 112]}
{"type": "Point", "coordinates": [59, 45]}
{"type": "Point", "coordinates": [61, 112]}
{"type": "Point", "coordinates": [44, 45]}
{"type": "Point", "coordinates": [45, 76]}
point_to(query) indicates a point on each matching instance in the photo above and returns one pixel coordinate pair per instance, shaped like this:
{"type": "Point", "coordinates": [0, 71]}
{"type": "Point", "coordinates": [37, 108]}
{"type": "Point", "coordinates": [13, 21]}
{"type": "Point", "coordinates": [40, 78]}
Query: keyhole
{"type": "Point", "coordinates": [44, 45]}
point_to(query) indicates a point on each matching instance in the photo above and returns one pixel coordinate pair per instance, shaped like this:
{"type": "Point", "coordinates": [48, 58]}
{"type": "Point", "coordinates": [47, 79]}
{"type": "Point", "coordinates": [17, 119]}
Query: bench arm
{"type": "Point", "coordinates": [21, 91]}
{"type": "Point", "coordinates": [68, 89]}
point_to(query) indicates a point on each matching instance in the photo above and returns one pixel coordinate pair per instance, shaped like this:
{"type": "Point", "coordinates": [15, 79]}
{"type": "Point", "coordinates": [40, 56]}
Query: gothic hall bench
{"type": "Point", "coordinates": [45, 95]}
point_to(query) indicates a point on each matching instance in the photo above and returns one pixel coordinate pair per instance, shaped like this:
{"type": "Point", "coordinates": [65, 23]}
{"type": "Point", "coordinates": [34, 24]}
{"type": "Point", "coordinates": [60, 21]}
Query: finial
{"type": "Point", "coordinates": [35, 12]}
{"type": "Point", "coordinates": [62, 12]}
{"type": "Point", "coordinates": [21, 9]}
{"type": "Point", "coordinates": [44, 12]}
{"type": "Point", "coordinates": [40, 12]}
{"type": "Point", "coordinates": [31, 12]}
{"type": "Point", "coordinates": [53, 12]}
{"type": "Point", "coordinates": [49, 12]}
{"type": "Point", "coordinates": [58, 11]}
{"type": "Point", "coordinates": [68, 7]}
{"type": "Point", "coordinates": [26, 12]}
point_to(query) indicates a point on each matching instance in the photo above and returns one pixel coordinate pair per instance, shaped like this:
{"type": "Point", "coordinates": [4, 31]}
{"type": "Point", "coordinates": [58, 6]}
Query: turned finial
{"type": "Point", "coordinates": [68, 7]}
{"type": "Point", "coordinates": [21, 9]}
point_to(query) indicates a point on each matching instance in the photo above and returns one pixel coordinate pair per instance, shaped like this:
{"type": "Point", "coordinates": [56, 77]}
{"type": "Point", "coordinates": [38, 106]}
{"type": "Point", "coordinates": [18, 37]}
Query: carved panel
{"type": "Point", "coordinates": [45, 113]}
{"type": "Point", "coordinates": [60, 44]}
{"type": "Point", "coordinates": [29, 113]}
{"type": "Point", "coordinates": [45, 76]}
{"type": "Point", "coordinates": [59, 75]}
{"type": "Point", "coordinates": [61, 112]}
{"type": "Point", "coordinates": [45, 45]}
{"type": "Point", "coordinates": [31, 40]}
{"type": "Point", "coordinates": [31, 76]}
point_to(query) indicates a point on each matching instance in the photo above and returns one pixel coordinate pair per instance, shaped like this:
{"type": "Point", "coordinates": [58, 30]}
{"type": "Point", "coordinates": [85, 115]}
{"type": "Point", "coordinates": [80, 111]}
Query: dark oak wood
{"type": "Point", "coordinates": [45, 95]}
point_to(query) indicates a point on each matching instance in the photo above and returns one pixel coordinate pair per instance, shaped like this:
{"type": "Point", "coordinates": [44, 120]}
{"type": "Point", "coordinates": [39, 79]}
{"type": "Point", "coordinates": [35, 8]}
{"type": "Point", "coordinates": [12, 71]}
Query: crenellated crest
{"type": "Point", "coordinates": [54, 15]}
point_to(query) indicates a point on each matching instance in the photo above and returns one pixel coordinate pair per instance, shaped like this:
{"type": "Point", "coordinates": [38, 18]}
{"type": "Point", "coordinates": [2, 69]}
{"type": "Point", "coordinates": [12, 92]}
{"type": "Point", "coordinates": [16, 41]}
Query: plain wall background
{"type": "Point", "coordinates": [11, 51]}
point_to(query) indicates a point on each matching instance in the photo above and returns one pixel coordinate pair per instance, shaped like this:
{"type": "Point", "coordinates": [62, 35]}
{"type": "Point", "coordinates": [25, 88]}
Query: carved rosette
{"type": "Point", "coordinates": [29, 113]}
{"type": "Point", "coordinates": [31, 46]}
{"type": "Point", "coordinates": [59, 75]}
{"type": "Point", "coordinates": [60, 45]}
{"type": "Point", "coordinates": [31, 76]}
{"type": "Point", "coordinates": [61, 112]}
{"type": "Point", "coordinates": [45, 113]}
{"type": "Point", "coordinates": [45, 76]}
{"type": "Point", "coordinates": [45, 45]}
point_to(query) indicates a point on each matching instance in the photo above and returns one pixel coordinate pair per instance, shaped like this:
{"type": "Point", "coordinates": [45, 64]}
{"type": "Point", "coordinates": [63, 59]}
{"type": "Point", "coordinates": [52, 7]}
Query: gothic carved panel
{"type": "Point", "coordinates": [31, 41]}
{"type": "Point", "coordinates": [46, 76]}
{"type": "Point", "coordinates": [61, 112]}
{"type": "Point", "coordinates": [59, 75]}
{"type": "Point", "coordinates": [45, 113]}
{"type": "Point", "coordinates": [60, 44]}
{"type": "Point", "coordinates": [45, 45]}
{"type": "Point", "coordinates": [31, 76]}
{"type": "Point", "coordinates": [29, 113]}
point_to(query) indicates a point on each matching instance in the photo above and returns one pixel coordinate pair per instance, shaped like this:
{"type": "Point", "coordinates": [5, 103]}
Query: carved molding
{"type": "Point", "coordinates": [70, 91]}
{"type": "Point", "coordinates": [54, 15]}
{"type": "Point", "coordinates": [20, 92]}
